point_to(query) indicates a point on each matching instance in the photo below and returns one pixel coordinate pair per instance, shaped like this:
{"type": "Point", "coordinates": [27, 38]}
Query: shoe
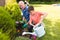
{"type": "Point", "coordinates": [34, 37]}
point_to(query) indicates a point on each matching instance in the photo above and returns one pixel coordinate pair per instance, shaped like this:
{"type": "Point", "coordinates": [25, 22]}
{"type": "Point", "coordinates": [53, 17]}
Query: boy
{"type": "Point", "coordinates": [35, 18]}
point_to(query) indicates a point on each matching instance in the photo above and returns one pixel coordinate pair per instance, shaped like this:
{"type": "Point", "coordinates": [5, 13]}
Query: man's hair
{"type": "Point", "coordinates": [21, 2]}
{"type": "Point", "coordinates": [30, 8]}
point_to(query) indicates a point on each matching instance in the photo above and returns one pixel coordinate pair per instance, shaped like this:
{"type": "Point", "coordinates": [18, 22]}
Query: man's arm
{"type": "Point", "coordinates": [23, 18]}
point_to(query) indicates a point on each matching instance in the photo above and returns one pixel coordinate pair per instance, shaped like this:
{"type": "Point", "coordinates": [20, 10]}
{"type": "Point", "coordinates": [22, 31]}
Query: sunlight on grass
{"type": "Point", "coordinates": [53, 11]}
{"type": "Point", "coordinates": [52, 21]}
{"type": "Point", "coordinates": [52, 34]}
{"type": "Point", "coordinates": [21, 38]}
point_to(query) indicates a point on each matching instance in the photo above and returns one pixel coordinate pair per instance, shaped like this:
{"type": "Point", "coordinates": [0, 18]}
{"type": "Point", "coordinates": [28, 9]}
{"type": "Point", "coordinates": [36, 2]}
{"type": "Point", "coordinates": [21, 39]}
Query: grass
{"type": "Point", "coordinates": [52, 21]}
{"type": "Point", "coordinates": [39, 2]}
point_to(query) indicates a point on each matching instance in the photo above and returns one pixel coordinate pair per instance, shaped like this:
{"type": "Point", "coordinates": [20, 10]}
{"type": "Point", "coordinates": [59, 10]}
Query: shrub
{"type": "Point", "coordinates": [7, 25]}
{"type": "Point", "coordinates": [4, 36]}
{"type": "Point", "coordinates": [14, 11]}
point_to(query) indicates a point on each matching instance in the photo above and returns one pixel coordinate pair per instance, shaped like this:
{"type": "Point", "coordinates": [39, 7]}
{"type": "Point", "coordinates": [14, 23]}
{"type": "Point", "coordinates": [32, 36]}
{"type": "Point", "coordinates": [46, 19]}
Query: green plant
{"type": "Point", "coordinates": [14, 11]}
{"type": "Point", "coordinates": [7, 25]}
{"type": "Point", "coordinates": [4, 36]}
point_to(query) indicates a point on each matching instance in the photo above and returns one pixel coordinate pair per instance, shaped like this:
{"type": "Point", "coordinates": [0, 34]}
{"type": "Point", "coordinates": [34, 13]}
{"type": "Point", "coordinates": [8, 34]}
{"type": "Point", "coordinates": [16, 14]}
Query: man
{"type": "Point", "coordinates": [26, 14]}
{"type": "Point", "coordinates": [24, 11]}
{"type": "Point", "coordinates": [36, 19]}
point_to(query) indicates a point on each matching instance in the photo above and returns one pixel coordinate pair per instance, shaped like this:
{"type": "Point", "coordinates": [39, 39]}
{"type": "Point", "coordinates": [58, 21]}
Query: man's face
{"type": "Point", "coordinates": [22, 6]}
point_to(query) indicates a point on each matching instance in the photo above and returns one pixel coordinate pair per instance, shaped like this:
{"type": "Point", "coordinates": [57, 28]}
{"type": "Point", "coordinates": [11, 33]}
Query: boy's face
{"type": "Point", "coordinates": [32, 12]}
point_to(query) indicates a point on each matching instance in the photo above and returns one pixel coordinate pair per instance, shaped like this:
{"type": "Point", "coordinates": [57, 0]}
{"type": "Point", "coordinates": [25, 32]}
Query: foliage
{"type": "Point", "coordinates": [7, 25]}
{"type": "Point", "coordinates": [43, 1]}
{"type": "Point", "coordinates": [4, 36]}
{"type": "Point", "coordinates": [14, 11]}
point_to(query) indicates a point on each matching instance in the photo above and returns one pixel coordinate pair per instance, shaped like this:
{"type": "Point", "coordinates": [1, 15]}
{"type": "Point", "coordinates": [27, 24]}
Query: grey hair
{"type": "Point", "coordinates": [21, 2]}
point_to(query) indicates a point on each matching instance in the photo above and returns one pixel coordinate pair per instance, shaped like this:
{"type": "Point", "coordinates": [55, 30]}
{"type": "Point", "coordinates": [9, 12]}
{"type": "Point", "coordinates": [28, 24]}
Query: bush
{"type": "Point", "coordinates": [7, 25]}
{"type": "Point", "coordinates": [14, 11]}
{"type": "Point", "coordinates": [4, 36]}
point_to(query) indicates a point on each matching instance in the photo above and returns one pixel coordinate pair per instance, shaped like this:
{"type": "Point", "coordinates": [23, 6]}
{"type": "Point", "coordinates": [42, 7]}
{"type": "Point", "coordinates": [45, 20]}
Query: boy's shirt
{"type": "Point", "coordinates": [26, 13]}
{"type": "Point", "coordinates": [36, 17]}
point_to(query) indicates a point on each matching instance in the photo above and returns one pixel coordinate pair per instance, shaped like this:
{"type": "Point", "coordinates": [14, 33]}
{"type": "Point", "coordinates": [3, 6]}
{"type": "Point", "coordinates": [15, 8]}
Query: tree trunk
{"type": "Point", "coordinates": [2, 2]}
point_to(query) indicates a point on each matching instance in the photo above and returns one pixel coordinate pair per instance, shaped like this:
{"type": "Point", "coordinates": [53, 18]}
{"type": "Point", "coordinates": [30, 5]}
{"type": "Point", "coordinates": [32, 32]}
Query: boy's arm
{"type": "Point", "coordinates": [44, 14]}
{"type": "Point", "coordinates": [41, 19]}
{"type": "Point", "coordinates": [30, 21]}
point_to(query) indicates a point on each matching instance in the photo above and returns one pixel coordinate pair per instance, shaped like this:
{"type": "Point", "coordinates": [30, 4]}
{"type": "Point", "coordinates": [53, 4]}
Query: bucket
{"type": "Point", "coordinates": [39, 30]}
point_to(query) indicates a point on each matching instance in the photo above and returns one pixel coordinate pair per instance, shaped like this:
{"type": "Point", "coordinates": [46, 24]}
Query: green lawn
{"type": "Point", "coordinates": [52, 21]}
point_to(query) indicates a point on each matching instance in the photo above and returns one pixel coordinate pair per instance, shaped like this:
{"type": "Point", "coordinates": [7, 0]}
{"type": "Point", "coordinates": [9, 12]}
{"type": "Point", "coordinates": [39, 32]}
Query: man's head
{"type": "Point", "coordinates": [31, 9]}
{"type": "Point", "coordinates": [21, 4]}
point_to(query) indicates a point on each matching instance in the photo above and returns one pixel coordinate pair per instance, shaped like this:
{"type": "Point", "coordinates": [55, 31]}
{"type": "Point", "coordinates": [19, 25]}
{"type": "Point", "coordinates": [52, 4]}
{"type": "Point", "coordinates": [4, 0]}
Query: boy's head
{"type": "Point", "coordinates": [31, 9]}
